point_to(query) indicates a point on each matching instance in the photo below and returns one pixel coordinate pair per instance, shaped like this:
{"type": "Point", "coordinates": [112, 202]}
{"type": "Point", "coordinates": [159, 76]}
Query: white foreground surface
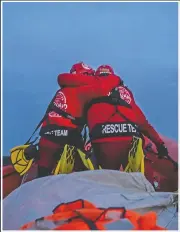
{"type": "Point", "coordinates": [104, 188]}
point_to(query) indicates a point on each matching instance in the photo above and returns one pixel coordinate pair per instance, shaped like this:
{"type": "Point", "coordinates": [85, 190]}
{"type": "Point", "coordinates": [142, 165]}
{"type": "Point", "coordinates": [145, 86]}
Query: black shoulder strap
{"type": "Point", "coordinates": [107, 99]}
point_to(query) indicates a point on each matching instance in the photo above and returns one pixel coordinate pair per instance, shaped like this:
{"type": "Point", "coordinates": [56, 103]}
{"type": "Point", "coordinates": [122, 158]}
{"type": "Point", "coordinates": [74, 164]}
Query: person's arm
{"type": "Point", "coordinates": [100, 87]}
{"type": "Point", "coordinates": [75, 80]}
{"type": "Point", "coordinates": [146, 127]}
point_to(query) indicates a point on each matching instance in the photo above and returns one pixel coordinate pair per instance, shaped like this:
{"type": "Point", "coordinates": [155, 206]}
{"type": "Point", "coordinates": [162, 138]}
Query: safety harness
{"type": "Point", "coordinates": [23, 156]}
{"type": "Point", "coordinates": [68, 157]}
{"type": "Point", "coordinates": [113, 99]}
{"type": "Point", "coordinates": [103, 130]}
{"type": "Point", "coordinates": [52, 107]}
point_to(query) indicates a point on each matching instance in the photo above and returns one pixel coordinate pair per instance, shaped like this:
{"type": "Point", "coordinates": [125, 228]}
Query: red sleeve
{"type": "Point", "coordinates": [146, 128]}
{"type": "Point", "coordinates": [143, 123]}
{"type": "Point", "coordinates": [100, 87]}
{"type": "Point", "coordinates": [106, 84]}
{"type": "Point", "coordinates": [73, 80]}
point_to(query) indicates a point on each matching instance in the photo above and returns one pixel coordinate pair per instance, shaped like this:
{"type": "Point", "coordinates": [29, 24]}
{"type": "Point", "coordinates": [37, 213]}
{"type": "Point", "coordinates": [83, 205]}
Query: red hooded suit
{"type": "Point", "coordinates": [76, 91]}
{"type": "Point", "coordinates": [111, 126]}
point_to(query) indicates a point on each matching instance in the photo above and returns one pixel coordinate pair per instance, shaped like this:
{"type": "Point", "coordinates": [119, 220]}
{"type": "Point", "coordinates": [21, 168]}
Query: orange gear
{"type": "Point", "coordinates": [83, 215]}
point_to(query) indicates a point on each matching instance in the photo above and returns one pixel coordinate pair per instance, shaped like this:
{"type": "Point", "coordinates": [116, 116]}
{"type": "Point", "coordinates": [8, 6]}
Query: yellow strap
{"type": "Point", "coordinates": [135, 157]}
{"type": "Point", "coordinates": [66, 162]}
{"type": "Point", "coordinates": [86, 161]}
{"type": "Point", "coordinates": [19, 161]}
{"type": "Point", "coordinates": [67, 159]}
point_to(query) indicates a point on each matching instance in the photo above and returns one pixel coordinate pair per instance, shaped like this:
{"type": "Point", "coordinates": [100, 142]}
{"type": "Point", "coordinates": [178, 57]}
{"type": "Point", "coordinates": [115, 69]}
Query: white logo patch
{"type": "Point", "coordinates": [60, 102]}
{"type": "Point", "coordinates": [124, 94]}
{"type": "Point", "coordinates": [85, 66]}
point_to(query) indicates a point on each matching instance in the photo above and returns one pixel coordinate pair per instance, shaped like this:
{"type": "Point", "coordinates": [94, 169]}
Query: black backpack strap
{"type": "Point", "coordinates": [108, 99]}
{"type": "Point", "coordinates": [113, 99]}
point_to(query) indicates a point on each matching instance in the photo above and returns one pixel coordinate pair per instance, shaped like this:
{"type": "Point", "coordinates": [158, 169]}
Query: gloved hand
{"type": "Point", "coordinates": [162, 150]}
{"type": "Point", "coordinates": [31, 152]}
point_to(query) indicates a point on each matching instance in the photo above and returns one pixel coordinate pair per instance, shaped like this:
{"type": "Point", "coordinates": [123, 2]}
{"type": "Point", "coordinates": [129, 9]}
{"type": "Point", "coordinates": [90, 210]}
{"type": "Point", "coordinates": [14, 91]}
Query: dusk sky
{"type": "Point", "coordinates": [41, 40]}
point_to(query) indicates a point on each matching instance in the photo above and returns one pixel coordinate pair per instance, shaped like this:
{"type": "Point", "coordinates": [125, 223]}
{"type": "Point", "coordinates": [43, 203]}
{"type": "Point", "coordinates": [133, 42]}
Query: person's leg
{"type": "Point", "coordinates": [78, 165]}
{"type": "Point", "coordinates": [111, 155]}
{"type": "Point", "coordinates": [46, 162]}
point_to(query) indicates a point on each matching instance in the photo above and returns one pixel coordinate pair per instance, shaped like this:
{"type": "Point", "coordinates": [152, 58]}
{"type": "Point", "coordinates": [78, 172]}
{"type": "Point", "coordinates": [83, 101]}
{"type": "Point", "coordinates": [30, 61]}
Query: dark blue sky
{"type": "Point", "coordinates": [41, 40]}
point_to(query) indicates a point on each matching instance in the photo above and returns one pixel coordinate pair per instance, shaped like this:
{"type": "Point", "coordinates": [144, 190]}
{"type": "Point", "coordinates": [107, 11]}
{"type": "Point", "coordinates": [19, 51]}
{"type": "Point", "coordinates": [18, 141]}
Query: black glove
{"type": "Point", "coordinates": [31, 152]}
{"type": "Point", "coordinates": [162, 150]}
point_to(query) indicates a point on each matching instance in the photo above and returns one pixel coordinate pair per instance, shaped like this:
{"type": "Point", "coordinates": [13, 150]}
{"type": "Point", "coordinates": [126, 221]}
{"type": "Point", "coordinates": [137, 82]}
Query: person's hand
{"type": "Point", "coordinates": [162, 150]}
{"type": "Point", "coordinates": [31, 152]}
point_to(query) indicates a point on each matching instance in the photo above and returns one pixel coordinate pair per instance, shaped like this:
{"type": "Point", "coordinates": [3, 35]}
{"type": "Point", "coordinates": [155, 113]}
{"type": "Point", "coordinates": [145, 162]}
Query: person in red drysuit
{"type": "Point", "coordinates": [59, 129]}
{"type": "Point", "coordinates": [112, 125]}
